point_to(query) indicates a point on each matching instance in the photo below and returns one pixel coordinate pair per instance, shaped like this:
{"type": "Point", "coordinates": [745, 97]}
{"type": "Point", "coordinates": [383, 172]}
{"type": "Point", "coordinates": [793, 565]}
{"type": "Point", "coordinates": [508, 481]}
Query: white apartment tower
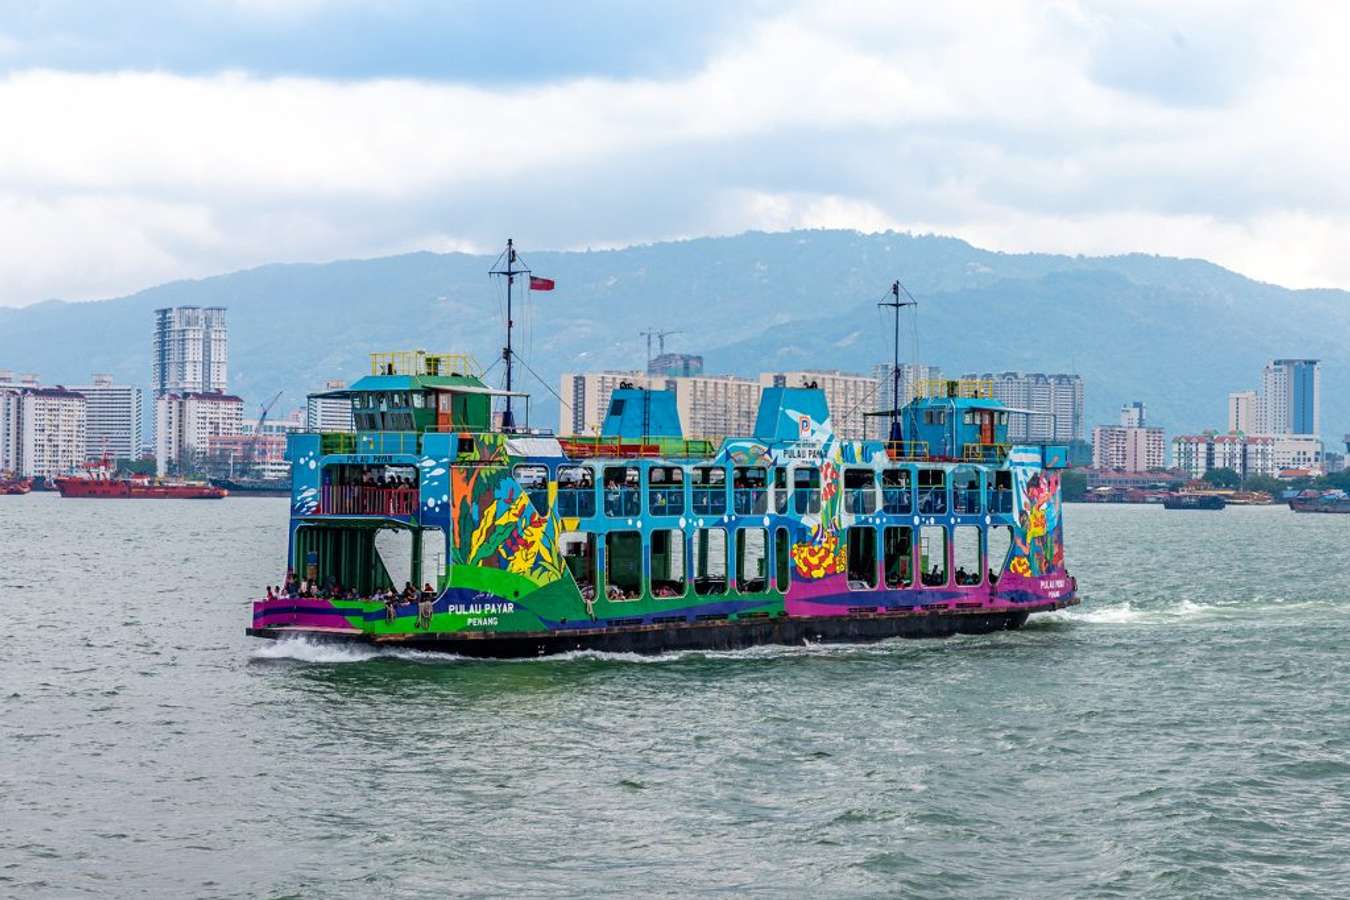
{"type": "Point", "coordinates": [328, 413]}
{"type": "Point", "coordinates": [1243, 412]}
{"type": "Point", "coordinates": [184, 423]}
{"type": "Point", "coordinates": [42, 431]}
{"type": "Point", "coordinates": [190, 351]}
{"type": "Point", "coordinates": [113, 418]}
{"type": "Point", "coordinates": [1054, 404]}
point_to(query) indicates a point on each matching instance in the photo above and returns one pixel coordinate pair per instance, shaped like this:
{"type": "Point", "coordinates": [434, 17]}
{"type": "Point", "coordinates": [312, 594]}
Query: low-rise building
{"type": "Point", "coordinates": [1128, 449]}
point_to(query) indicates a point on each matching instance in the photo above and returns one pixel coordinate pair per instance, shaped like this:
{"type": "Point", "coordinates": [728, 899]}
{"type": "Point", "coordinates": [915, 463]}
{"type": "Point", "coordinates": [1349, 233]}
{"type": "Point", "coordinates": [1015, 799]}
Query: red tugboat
{"type": "Point", "coordinates": [11, 486]}
{"type": "Point", "coordinates": [99, 481]}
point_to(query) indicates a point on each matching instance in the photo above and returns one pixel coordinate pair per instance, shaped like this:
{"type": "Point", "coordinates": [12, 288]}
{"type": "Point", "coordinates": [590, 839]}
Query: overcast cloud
{"type": "Point", "coordinates": [155, 141]}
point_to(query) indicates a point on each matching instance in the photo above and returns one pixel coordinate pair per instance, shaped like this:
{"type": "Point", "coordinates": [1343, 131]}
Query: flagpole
{"type": "Point", "coordinates": [508, 417]}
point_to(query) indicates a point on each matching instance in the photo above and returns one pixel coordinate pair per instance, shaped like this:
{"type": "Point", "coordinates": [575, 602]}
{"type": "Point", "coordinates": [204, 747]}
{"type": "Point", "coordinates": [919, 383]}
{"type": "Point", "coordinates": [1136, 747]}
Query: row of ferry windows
{"type": "Point", "coordinates": [877, 558]}
{"type": "Point", "coordinates": [757, 490]}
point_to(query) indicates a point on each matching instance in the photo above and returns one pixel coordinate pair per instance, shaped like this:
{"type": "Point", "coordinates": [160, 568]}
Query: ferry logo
{"type": "Point", "coordinates": [804, 426]}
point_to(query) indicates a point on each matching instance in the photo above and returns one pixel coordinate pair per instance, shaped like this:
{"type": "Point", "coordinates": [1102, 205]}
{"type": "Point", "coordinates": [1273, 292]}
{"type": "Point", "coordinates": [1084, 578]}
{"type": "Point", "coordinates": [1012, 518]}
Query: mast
{"type": "Point", "coordinates": [896, 303]}
{"type": "Point", "coordinates": [509, 254]}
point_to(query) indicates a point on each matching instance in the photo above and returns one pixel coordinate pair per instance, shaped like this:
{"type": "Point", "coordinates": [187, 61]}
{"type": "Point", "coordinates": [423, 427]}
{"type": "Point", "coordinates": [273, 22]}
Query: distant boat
{"type": "Point", "coordinates": [1194, 501]}
{"type": "Point", "coordinates": [99, 481]}
{"type": "Point", "coordinates": [255, 487]}
{"type": "Point", "coordinates": [13, 486]}
{"type": "Point", "coordinates": [1329, 502]}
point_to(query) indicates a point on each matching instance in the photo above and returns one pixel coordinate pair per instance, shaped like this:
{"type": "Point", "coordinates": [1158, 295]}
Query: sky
{"type": "Point", "coordinates": [142, 142]}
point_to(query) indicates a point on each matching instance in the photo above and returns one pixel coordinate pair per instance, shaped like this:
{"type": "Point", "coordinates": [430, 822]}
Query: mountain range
{"type": "Point", "coordinates": [1178, 334]}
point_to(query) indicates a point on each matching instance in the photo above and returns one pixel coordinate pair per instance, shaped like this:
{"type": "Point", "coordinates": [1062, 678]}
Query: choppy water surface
{"type": "Point", "coordinates": [1184, 733]}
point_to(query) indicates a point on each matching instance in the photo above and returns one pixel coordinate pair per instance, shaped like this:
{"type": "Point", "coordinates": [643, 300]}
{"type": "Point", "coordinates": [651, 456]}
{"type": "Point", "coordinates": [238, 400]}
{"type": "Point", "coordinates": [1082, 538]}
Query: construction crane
{"type": "Point", "coordinates": [264, 409]}
{"type": "Point", "coordinates": [661, 342]}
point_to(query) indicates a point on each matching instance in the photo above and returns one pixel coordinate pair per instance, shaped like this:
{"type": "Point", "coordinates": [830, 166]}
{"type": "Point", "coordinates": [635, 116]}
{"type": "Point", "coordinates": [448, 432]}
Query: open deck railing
{"type": "Point", "coordinates": [907, 449]}
{"type": "Point", "coordinates": [619, 448]}
{"type": "Point", "coordinates": [986, 453]}
{"type": "Point", "coordinates": [367, 500]}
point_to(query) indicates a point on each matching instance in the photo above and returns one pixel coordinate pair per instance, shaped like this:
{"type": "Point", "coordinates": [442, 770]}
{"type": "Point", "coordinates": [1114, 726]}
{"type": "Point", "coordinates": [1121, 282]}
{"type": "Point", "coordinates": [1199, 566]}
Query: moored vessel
{"type": "Point", "coordinates": [1335, 501]}
{"type": "Point", "coordinates": [509, 542]}
{"type": "Point", "coordinates": [1188, 500]}
{"type": "Point", "coordinates": [15, 486]}
{"type": "Point", "coordinates": [100, 481]}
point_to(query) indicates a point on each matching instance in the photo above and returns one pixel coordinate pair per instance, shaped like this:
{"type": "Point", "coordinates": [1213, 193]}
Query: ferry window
{"type": "Point", "coordinates": [806, 490]}
{"type": "Point", "coordinates": [968, 418]}
{"type": "Point", "coordinates": [710, 490]}
{"type": "Point", "coordinates": [898, 556]}
{"type": "Point", "coordinates": [623, 565]}
{"type": "Point", "coordinates": [780, 490]}
{"type": "Point", "coordinates": [665, 490]}
{"type": "Point", "coordinates": [966, 490]}
{"type": "Point", "coordinates": [576, 491]}
{"type": "Point", "coordinates": [935, 416]}
{"type": "Point", "coordinates": [750, 490]}
{"type": "Point", "coordinates": [667, 563]}
{"type": "Point", "coordinates": [966, 554]}
{"type": "Point", "coordinates": [1003, 418]}
{"type": "Point", "coordinates": [419, 401]}
{"type": "Point", "coordinates": [710, 561]}
{"type": "Point", "coordinates": [933, 555]}
{"type": "Point", "coordinates": [622, 493]}
{"type": "Point", "coordinates": [1001, 501]}
{"type": "Point", "coordinates": [398, 421]}
{"type": "Point", "coordinates": [860, 491]}
{"type": "Point", "coordinates": [1000, 543]}
{"type": "Point", "coordinates": [896, 495]}
{"type": "Point", "coordinates": [932, 492]}
{"type": "Point", "coordinates": [578, 553]}
{"type": "Point", "coordinates": [862, 558]}
{"type": "Point", "coordinates": [616, 407]}
{"type": "Point", "coordinates": [782, 558]}
{"type": "Point", "coordinates": [533, 480]}
{"type": "Point", "coordinates": [752, 560]}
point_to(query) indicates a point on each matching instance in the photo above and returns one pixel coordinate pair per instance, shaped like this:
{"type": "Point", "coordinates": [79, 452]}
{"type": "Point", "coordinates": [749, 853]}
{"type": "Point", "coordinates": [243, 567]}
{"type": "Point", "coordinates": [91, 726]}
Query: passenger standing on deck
{"type": "Point", "coordinates": [425, 605]}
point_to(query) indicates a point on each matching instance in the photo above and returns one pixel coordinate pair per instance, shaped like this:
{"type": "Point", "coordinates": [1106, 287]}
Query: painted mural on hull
{"type": "Point", "coordinates": [512, 520]}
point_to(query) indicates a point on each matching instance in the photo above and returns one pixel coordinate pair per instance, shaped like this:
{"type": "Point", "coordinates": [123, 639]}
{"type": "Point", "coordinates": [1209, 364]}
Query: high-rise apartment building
{"type": "Point", "coordinates": [849, 397]}
{"type": "Point", "coordinates": [190, 350]}
{"type": "Point", "coordinates": [1053, 404]}
{"type": "Point", "coordinates": [1244, 412]}
{"type": "Point", "coordinates": [42, 430]}
{"type": "Point", "coordinates": [714, 406]}
{"type": "Point", "coordinates": [1133, 415]}
{"type": "Point", "coordinates": [184, 423]}
{"type": "Point", "coordinates": [329, 413]}
{"type": "Point", "coordinates": [1127, 448]}
{"type": "Point", "coordinates": [1291, 397]}
{"type": "Point", "coordinates": [113, 418]}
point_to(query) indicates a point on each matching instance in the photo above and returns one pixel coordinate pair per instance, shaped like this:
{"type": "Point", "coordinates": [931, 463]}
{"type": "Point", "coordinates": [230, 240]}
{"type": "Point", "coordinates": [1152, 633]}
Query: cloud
{"type": "Point", "coordinates": [1077, 127]}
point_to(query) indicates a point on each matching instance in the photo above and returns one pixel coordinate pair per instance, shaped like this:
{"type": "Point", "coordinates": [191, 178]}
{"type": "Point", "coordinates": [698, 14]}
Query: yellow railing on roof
{"type": "Point", "coordinates": [969, 388]}
{"type": "Point", "coordinates": [420, 362]}
{"type": "Point", "coordinates": [907, 449]}
{"type": "Point", "coordinates": [984, 452]}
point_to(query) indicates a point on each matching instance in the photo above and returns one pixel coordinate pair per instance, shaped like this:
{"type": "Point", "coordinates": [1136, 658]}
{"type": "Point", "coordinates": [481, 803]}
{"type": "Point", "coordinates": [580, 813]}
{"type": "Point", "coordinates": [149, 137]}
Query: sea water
{"type": "Point", "coordinates": [1185, 732]}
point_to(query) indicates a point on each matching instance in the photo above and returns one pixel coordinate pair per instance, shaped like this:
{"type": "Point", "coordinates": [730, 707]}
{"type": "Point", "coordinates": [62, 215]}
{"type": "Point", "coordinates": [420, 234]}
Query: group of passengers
{"type": "Point", "coordinates": [425, 600]}
{"type": "Point", "coordinates": [374, 478]}
{"type": "Point", "coordinates": [293, 587]}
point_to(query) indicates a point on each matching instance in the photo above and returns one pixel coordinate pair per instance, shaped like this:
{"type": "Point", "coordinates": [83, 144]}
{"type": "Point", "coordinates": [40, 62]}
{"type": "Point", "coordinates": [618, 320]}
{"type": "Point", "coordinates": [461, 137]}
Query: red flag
{"type": "Point", "coordinates": [541, 284]}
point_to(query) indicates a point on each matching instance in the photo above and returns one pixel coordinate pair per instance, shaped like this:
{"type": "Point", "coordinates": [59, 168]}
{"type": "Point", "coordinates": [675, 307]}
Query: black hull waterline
{"type": "Point", "coordinates": [654, 639]}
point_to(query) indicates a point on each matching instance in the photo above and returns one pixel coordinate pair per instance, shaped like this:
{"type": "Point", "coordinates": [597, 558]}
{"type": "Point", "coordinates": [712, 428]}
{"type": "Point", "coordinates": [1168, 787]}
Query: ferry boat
{"type": "Point", "coordinates": [99, 481]}
{"type": "Point", "coordinates": [510, 542]}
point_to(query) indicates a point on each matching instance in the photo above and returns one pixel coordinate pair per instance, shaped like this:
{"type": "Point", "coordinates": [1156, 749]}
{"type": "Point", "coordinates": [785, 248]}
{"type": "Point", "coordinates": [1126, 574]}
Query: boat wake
{"type": "Point", "coordinates": [1185, 610]}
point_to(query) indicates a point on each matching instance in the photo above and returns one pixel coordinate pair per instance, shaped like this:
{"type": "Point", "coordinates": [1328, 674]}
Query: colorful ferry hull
{"type": "Point", "coordinates": [791, 535]}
